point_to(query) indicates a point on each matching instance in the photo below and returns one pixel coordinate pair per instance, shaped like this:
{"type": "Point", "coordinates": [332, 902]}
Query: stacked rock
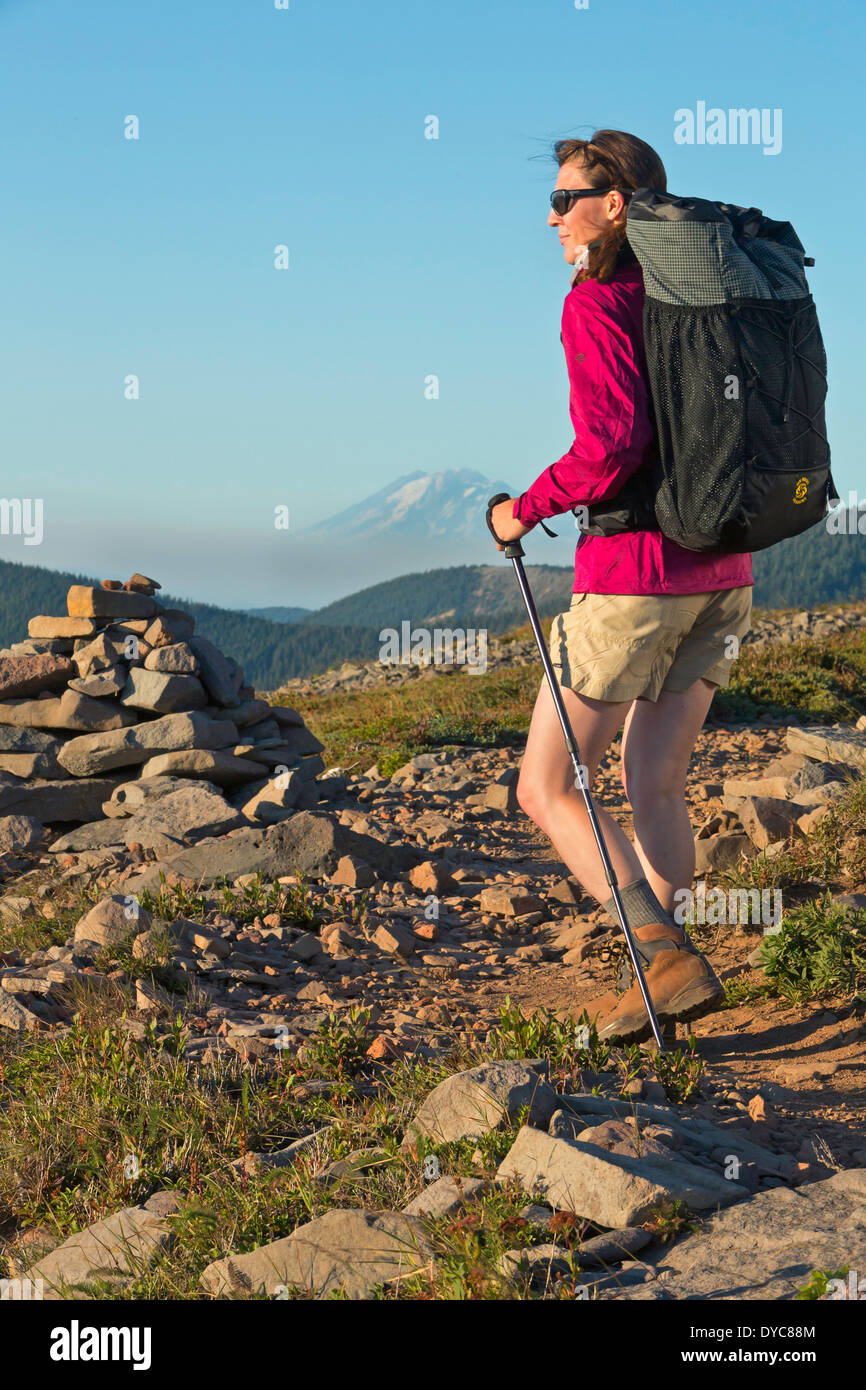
{"type": "Point", "coordinates": [117, 710]}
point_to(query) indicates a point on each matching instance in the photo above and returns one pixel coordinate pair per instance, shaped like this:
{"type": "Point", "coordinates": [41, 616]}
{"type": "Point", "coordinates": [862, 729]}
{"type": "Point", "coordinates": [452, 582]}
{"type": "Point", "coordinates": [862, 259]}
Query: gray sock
{"type": "Point", "coordinates": [641, 906]}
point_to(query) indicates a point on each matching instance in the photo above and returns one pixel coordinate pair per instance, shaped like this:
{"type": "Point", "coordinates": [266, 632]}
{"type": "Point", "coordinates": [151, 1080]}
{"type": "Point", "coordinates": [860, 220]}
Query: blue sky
{"type": "Point", "coordinates": [407, 256]}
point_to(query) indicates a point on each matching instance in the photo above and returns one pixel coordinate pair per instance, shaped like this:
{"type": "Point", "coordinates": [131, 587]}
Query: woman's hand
{"type": "Point", "coordinates": [505, 524]}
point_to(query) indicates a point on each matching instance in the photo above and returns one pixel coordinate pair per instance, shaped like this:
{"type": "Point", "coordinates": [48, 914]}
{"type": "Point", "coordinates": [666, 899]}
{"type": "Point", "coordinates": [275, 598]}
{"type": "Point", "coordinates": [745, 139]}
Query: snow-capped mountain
{"type": "Point", "coordinates": [424, 505]}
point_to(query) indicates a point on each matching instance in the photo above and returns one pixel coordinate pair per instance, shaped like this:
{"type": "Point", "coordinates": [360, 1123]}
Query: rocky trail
{"type": "Point", "coordinates": [158, 780]}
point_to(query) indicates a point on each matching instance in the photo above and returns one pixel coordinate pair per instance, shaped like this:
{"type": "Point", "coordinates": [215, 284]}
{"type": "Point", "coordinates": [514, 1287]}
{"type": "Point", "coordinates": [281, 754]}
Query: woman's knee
{"type": "Point", "coordinates": [530, 796]}
{"type": "Point", "coordinates": [650, 782]}
{"type": "Point", "coordinates": [537, 799]}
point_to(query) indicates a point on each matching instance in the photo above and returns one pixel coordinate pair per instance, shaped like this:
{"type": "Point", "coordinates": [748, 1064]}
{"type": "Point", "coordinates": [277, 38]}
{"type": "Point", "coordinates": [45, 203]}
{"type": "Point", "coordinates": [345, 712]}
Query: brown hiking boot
{"type": "Point", "coordinates": [682, 985]}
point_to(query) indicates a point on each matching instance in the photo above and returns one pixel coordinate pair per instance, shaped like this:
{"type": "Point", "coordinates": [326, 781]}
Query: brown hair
{"type": "Point", "coordinates": [612, 158]}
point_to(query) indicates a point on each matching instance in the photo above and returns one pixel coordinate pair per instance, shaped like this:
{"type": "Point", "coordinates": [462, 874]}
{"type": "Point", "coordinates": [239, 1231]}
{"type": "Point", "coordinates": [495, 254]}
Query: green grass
{"type": "Point", "coordinates": [823, 682]}
{"type": "Point", "coordinates": [740, 992]}
{"type": "Point", "coordinates": [53, 919]}
{"type": "Point", "coordinates": [300, 904]}
{"type": "Point", "coordinates": [820, 950]}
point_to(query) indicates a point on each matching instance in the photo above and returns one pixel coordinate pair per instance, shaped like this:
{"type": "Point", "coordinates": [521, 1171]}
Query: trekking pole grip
{"type": "Point", "coordinates": [513, 549]}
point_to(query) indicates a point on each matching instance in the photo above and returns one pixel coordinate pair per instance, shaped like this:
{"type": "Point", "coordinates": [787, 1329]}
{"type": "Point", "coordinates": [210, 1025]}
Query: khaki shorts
{"type": "Point", "coordinates": [633, 646]}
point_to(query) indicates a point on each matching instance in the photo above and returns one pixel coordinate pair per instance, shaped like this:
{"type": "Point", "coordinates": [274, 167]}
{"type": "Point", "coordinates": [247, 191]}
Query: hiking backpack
{"type": "Point", "coordinates": [737, 377]}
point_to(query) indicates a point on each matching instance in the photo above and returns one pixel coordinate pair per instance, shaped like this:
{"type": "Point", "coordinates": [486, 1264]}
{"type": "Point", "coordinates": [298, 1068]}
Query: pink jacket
{"type": "Point", "coordinates": [602, 334]}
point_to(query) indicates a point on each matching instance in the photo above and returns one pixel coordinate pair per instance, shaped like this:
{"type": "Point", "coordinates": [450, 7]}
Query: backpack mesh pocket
{"type": "Point", "coordinates": [696, 381]}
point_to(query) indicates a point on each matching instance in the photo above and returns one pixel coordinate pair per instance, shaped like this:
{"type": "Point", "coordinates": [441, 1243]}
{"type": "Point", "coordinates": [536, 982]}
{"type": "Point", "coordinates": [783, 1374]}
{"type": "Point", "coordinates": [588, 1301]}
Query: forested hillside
{"type": "Point", "coordinates": [463, 595]}
{"type": "Point", "coordinates": [810, 569]}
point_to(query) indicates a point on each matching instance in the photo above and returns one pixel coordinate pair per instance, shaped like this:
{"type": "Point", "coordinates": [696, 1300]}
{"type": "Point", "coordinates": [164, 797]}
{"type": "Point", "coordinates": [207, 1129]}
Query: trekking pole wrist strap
{"type": "Point", "coordinates": [494, 502]}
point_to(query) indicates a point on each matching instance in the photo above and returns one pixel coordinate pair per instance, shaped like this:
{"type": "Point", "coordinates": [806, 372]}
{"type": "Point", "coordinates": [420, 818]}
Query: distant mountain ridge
{"type": "Point", "coordinates": [450, 503]}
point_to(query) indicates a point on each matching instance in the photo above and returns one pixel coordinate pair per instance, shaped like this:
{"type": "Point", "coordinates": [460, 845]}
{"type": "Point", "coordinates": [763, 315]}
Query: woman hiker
{"type": "Point", "coordinates": [644, 643]}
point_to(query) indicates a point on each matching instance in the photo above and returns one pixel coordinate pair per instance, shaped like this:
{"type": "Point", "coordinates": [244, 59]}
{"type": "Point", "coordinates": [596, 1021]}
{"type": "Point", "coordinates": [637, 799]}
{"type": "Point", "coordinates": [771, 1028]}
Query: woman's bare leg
{"type": "Point", "coordinates": [657, 746]}
{"type": "Point", "coordinates": [656, 750]}
{"type": "Point", "coordinates": [547, 793]}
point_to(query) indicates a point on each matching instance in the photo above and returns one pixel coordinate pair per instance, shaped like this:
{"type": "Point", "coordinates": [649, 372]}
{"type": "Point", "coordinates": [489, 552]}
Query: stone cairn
{"type": "Point", "coordinates": [118, 716]}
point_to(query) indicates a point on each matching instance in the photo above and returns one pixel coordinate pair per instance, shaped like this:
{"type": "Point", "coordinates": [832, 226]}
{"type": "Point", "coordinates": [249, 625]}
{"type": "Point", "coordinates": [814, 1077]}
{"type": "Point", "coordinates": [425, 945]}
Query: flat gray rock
{"type": "Point", "coordinates": [284, 1158]}
{"type": "Point", "coordinates": [16, 1016]}
{"type": "Point", "coordinates": [347, 1249]}
{"type": "Point", "coordinates": [310, 843]}
{"type": "Point", "coordinates": [19, 833]}
{"type": "Point", "coordinates": [67, 800]}
{"type": "Point", "coordinates": [177, 658]}
{"type": "Point", "coordinates": [95, 834]}
{"type": "Point", "coordinates": [215, 671]}
{"type": "Point", "coordinates": [699, 1134]}
{"type": "Point", "coordinates": [100, 752]}
{"type": "Point", "coordinates": [611, 1189]}
{"type": "Point", "coordinates": [272, 799]}
{"type": "Point", "coordinates": [612, 1247]}
{"type": "Point", "coordinates": [829, 745]}
{"type": "Point", "coordinates": [110, 1252]}
{"type": "Point", "coordinates": [162, 692]}
{"type": "Point", "coordinates": [220, 765]}
{"type": "Point", "coordinates": [768, 1247]}
{"type": "Point", "coordinates": [190, 812]}
{"type": "Point", "coordinates": [471, 1103]}
{"type": "Point", "coordinates": [102, 684]}
{"type": "Point", "coordinates": [129, 797]}
{"type": "Point", "coordinates": [71, 711]}
{"type": "Point", "coordinates": [112, 920]}
{"type": "Point", "coordinates": [445, 1196]}
{"type": "Point", "coordinates": [23, 740]}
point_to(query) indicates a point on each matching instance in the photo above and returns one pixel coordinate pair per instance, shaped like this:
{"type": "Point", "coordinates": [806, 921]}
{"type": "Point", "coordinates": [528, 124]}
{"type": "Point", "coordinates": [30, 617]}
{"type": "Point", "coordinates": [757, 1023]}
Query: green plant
{"type": "Point", "coordinates": [340, 1044]}
{"type": "Point", "coordinates": [818, 680]}
{"type": "Point", "coordinates": [669, 1219]}
{"type": "Point", "coordinates": [820, 950]}
{"type": "Point", "coordinates": [818, 1282]}
{"type": "Point", "coordinates": [740, 992]}
{"type": "Point", "coordinates": [569, 1043]}
{"type": "Point", "coordinates": [681, 1071]}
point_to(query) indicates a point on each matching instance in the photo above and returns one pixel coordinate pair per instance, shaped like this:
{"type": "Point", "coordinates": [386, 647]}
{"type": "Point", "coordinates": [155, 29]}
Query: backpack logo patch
{"type": "Point", "coordinates": [800, 490]}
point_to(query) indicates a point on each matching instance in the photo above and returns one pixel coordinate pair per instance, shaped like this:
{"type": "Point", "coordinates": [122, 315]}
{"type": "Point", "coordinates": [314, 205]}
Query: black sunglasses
{"type": "Point", "coordinates": [562, 200]}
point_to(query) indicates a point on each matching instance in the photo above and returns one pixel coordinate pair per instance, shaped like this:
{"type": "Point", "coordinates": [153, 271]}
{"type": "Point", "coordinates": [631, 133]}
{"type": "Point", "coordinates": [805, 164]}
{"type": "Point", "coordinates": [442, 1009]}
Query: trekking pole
{"type": "Point", "coordinates": [514, 552]}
